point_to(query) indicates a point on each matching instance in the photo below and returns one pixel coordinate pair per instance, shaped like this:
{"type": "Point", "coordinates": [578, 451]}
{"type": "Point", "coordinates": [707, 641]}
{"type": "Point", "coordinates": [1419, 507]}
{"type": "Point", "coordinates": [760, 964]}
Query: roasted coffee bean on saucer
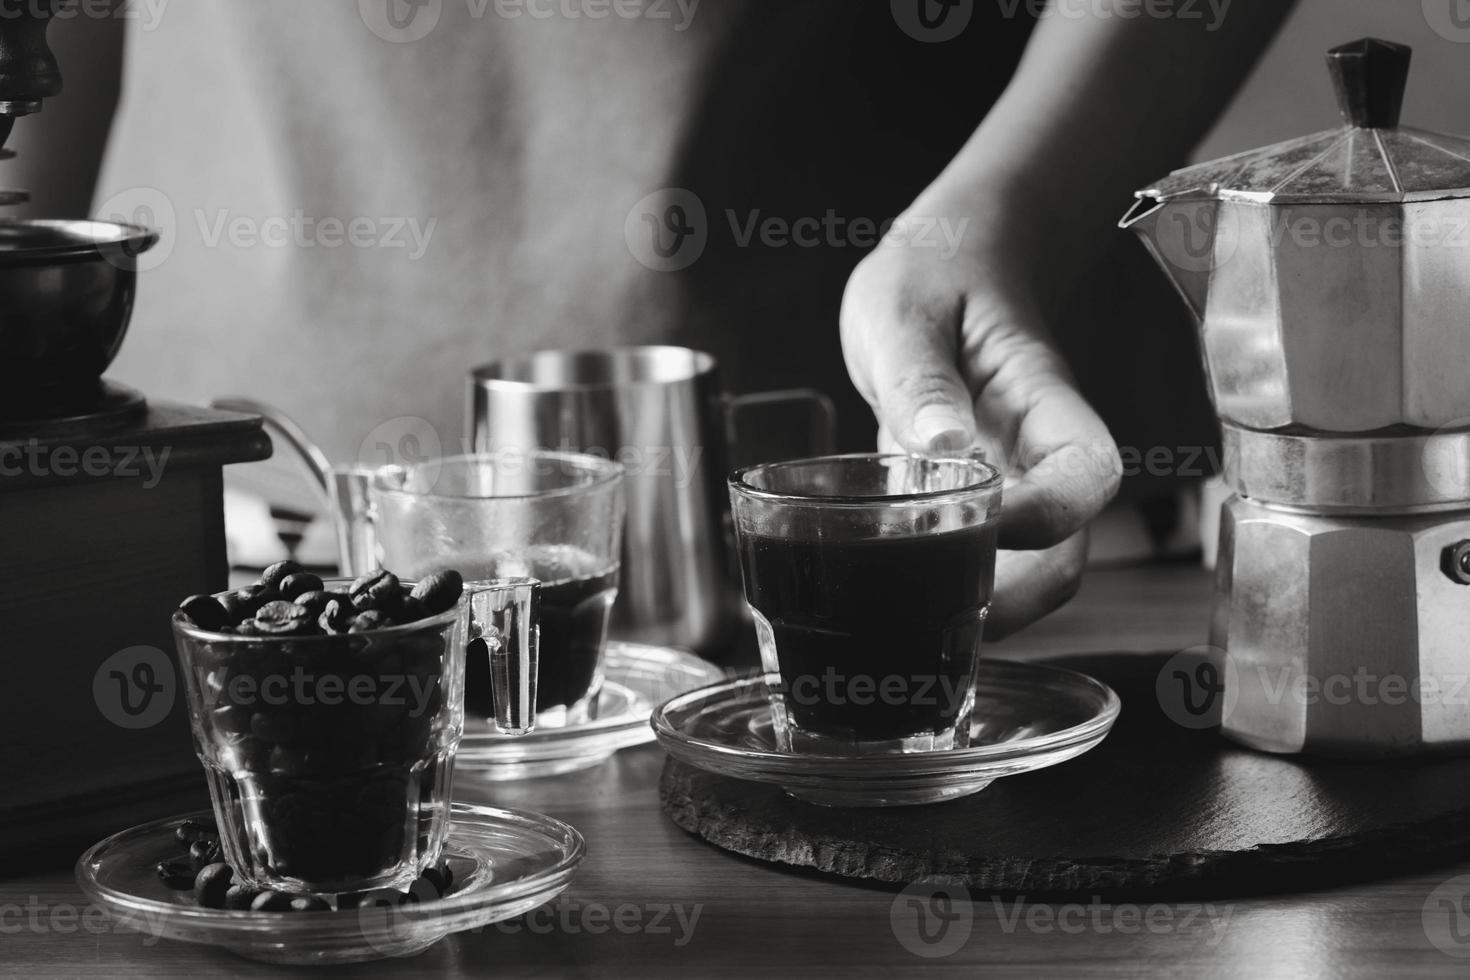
{"type": "Point", "coordinates": [178, 875]}
{"type": "Point", "coordinates": [212, 883]}
{"type": "Point", "coordinates": [204, 851]}
{"type": "Point", "coordinates": [441, 877]}
{"type": "Point", "coordinates": [191, 830]}
{"type": "Point", "coordinates": [271, 902]}
{"type": "Point", "coordinates": [239, 897]}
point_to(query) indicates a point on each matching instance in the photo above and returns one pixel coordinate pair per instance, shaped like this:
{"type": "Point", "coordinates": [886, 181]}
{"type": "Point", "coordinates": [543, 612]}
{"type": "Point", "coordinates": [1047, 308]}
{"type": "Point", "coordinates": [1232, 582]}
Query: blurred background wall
{"type": "Point", "coordinates": [1290, 94]}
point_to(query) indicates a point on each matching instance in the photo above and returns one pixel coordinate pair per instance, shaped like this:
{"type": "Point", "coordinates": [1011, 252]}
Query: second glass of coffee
{"type": "Point", "coordinates": [555, 517]}
{"type": "Point", "coordinates": [869, 579]}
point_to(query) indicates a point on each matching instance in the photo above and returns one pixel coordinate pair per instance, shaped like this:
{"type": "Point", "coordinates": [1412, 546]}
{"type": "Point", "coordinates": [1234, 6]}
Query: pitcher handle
{"type": "Point", "coordinates": [824, 414]}
{"type": "Point", "coordinates": [506, 615]}
{"type": "Point", "coordinates": [304, 449]}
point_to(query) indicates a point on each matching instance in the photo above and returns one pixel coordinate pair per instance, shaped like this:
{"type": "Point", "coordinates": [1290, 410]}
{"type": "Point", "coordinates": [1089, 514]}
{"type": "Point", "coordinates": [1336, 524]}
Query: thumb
{"type": "Point", "coordinates": [918, 393]}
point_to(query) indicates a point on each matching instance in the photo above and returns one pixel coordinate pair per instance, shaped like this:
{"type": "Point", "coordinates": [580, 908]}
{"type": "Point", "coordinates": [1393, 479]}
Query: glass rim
{"type": "Point", "coordinates": [604, 472]}
{"type": "Point", "coordinates": [490, 375]}
{"type": "Point", "coordinates": [444, 618]}
{"type": "Point", "coordinates": [739, 481]}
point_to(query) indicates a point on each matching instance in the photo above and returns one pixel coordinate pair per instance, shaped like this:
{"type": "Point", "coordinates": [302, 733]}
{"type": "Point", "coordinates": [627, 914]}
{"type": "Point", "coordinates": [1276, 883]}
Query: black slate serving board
{"type": "Point", "coordinates": [1156, 809]}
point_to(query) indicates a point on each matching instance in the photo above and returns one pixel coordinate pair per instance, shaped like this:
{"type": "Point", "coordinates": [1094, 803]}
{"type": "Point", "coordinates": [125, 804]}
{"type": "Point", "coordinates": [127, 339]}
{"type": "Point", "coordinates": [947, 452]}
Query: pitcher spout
{"type": "Point", "coordinates": [1182, 236]}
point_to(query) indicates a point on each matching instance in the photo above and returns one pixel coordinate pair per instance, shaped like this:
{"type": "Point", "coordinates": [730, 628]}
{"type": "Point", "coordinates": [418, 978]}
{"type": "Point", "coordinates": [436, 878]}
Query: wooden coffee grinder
{"type": "Point", "coordinates": [111, 511]}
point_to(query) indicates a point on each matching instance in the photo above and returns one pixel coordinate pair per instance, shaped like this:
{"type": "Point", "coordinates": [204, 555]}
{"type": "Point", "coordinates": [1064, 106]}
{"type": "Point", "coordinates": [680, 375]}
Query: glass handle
{"type": "Point", "coordinates": [506, 614]}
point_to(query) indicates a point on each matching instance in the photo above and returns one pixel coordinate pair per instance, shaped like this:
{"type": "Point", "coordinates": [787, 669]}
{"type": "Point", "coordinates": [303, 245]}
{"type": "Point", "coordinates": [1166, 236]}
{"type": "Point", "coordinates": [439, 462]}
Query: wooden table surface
{"type": "Point", "coordinates": [652, 901]}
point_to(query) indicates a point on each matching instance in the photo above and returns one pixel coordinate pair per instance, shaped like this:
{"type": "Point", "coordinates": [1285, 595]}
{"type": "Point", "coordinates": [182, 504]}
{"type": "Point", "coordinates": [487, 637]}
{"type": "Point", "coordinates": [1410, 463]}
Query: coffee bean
{"type": "Point", "coordinates": [240, 897]}
{"type": "Point", "coordinates": [441, 877]}
{"type": "Point", "coordinates": [313, 602]}
{"type": "Point", "coordinates": [191, 830]}
{"type": "Point", "coordinates": [411, 610]}
{"type": "Point", "coordinates": [273, 576]}
{"type": "Point", "coordinates": [376, 590]}
{"type": "Point", "coordinates": [235, 607]}
{"type": "Point", "coordinates": [283, 618]}
{"type": "Point", "coordinates": [252, 597]}
{"type": "Point", "coordinates": [211, 883]}
{"type": "Point", "coordinates": [205, 612]}
{"type": "Point", "coordinates": [309, 903]}
{"type": "Point", "coordinates": [422, 890]}
{"type": "Point", "coordinates": [337, 615]}
{"type": "Point", "coordinates": [271, 902]}
{"type": "Point", "coordinates": [299, 584]}
{"type": "Point", "coordinates": [439, 591]}
{"type": "Point", "coordinates": [203, 852]}
{"type": "Point", "coordinates": [177, 875]}
{"type": "Point", "coordinates": [372, 619]}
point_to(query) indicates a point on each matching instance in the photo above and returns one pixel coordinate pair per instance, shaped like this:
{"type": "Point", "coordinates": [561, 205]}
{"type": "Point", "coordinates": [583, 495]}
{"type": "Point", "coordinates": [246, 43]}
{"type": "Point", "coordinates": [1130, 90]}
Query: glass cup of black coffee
{"type": "Point", "coordinates": [553, 516]}
{"type": "Point", "coordinates": [869, 579]}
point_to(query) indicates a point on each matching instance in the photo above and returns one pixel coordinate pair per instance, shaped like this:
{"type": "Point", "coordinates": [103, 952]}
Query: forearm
{"type": "Point", "coordinates": [1100, 105]}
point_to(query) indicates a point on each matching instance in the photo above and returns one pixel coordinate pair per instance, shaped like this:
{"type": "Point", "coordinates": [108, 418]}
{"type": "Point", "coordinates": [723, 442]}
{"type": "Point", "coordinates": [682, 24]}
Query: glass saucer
{"type": "Point", "coordinates": [505, 863]}
{"type": "Point", "coordinates": [636, 677]}
{"type": "Point", "coordinates": [1027, 716]}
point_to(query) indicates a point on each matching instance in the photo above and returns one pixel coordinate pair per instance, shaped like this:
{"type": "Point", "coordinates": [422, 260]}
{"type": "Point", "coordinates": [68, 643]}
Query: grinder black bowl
{"type": "Point", "coordinates": [66, 295]}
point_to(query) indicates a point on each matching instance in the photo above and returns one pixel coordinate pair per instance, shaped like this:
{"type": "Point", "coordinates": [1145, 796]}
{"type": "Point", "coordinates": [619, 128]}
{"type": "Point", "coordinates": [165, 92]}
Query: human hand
{"type": "Point", "coordinates": [952, 354]}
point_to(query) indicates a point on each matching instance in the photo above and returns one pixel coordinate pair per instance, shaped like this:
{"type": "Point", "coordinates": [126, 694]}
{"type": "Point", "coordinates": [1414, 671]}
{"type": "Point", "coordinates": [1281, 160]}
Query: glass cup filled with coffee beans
{"type": "Point", "coordinates": [869, 580]}
{"type": "Point", "coordinates": [327, 715]}
{"type": "Point", "coordinates": [553, 516]}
